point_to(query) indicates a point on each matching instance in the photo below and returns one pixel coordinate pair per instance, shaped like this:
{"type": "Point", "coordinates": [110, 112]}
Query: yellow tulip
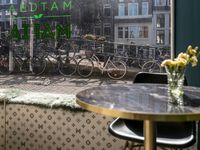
{"type": "Point", "coordinates": [189, 47]}
{"type": "Point", "coordinates": [180, 65]}
{"type": "Point", "coordinates": [166, 62]}
{"type": "Point", "coordinates": [193, 61]}
{"type": "Point", "coordinates": [183, 56]}
{"type": "Point", "coordinates": [192, 52]}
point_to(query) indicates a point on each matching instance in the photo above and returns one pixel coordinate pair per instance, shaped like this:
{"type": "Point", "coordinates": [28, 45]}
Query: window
{"type": "Point", "coordinates": [134, 32]}
{"type": "Point", "coordinates": [143, 32]}
{"type": "Point", "coordinates": [14, 1]}
{"type": "Point", "coordinates": [120, 32]}
{"type": "Point", "coordinates": [126, 32]}
{"type": "Point", "coordinates": [97, 31]}
{"type": "Point", "coordinates": [7, 1]}
{"type": "Point", "coordinates": [107, 10]}
{"type": "Point", "coordinates": [138, 32]}
{"type": "Point", "coordinates": [145, 8]}
{"type": "Point", "coordinates": [160, 2]}
{"type": "Point", "coordinates": [121, 9]}
{"type": "Point", "coordinates": [160, 21]}
{"type": "Point", "coordinates": [160, 37]}
{"type": "Point", "coordinates": [1, 2]}
{"type": "Point", "coordinates": [132, 9]}
{"type": "Point", "coordinates": [107, 29]}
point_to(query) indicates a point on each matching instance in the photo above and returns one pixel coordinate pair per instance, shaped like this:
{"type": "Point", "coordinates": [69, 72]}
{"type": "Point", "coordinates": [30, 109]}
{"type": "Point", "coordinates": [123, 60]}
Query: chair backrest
{"type": "Point", "coordinates": [147, 77]}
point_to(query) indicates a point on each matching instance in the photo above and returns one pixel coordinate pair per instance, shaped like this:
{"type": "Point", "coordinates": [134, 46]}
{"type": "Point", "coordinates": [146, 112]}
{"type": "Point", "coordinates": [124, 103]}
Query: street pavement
{"type": "Point", "coordinates": [56, 83]}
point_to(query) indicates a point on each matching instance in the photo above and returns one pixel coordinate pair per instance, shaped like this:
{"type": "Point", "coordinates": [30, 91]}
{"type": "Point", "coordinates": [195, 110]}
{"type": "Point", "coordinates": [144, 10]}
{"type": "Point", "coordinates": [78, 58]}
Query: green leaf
{"type": "Point", "coordinates": [38, 16]}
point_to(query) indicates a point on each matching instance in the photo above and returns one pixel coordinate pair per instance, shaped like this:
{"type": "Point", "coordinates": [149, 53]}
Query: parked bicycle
{"type": "Point", "coordinates": [59, 57]}
{"type": "Point", "coordinates": [154, 65]}
{"type": "Point", "coordinates": [22, 62]}
{"type": "Point", "coordinates": [114, 69]}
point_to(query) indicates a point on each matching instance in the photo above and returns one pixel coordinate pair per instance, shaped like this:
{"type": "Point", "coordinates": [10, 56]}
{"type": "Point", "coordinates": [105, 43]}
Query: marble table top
{"type": "Point", "coordinates": [141, 101]}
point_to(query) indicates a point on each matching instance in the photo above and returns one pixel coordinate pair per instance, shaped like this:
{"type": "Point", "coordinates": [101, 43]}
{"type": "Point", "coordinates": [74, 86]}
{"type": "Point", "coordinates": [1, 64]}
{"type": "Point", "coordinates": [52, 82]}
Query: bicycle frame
{"type": "Point", "coordinates": [101, 67]}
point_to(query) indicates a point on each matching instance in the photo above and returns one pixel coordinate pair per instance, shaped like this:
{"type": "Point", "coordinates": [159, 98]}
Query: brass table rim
{"type": "Point", "coordinates": [139, 115]}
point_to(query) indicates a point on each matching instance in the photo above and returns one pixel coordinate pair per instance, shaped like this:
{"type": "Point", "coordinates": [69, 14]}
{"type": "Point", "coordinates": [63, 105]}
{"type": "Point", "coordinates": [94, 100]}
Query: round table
{"type": "Point", "coordinates": [147, 102]}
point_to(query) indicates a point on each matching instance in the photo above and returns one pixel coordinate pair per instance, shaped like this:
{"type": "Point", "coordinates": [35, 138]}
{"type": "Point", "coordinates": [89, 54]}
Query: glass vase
{"type": "Point", "coordinates": [175, 87]}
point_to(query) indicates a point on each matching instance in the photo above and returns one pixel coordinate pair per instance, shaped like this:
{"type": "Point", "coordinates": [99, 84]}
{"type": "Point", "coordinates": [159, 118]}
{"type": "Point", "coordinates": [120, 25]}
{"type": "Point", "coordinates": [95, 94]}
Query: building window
{"type": "Point", "coordinates": [132, 9]}
{"type": "Point", "coordinates": [145, 8]}
{"type": "Point", "coordinates": [143, 32]}
{"type": "Point", "coordinates": [126, 32]}
{"type": "Point", "coordinates": [1, 2]}
{"type": "Point", "coordinates": [7, 1]}
{"type": "Point", "coordinates": [160, 21]}
{"type": "Point", "coordinates": [133, 32]}
{"type": "Point", "coordinates": [120, 32]}
{"type": "Point", "coordinates": [107, 29]}
{"type": "Point", "coordinates": [160, 37]}
{"type": "Point", "coordinates": [107, 10]}
{"type": "Point", "coordinates": [160, 2]}
{"type": "Point", "coordinates": [138, 32]}
{"type": "Point", "coordinates": [97, 31]}
{"type": "Point", "coordinates": [121, 9]}
{"type": "Point", "coordinates": [14, 1]}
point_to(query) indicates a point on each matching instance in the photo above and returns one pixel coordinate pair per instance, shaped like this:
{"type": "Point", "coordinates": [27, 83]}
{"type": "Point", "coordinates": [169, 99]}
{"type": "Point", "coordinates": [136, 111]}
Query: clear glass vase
{"type": "Point", "coordinates": [175, 87]}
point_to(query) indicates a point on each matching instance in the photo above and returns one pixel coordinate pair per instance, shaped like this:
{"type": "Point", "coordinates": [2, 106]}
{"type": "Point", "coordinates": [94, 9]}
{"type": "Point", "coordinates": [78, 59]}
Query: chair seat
{"type": "Point", "coordinates": [168, 134]}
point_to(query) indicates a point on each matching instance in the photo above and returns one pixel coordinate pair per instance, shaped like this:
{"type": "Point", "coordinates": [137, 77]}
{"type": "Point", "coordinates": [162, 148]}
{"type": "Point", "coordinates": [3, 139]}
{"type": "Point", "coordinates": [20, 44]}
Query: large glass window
{"type": "Point", "coordinates": [132, 9]}
{"type": "Point", "coordinates": [121, 9]}
{"type": "Point", "coordinates": [120, 32]}
{"type": "Point", "coordinates": [145, 8]}
{"type": "Point", "coordinates": [160, 21]}
{"type": "Point", "coordinates": [160, 37]}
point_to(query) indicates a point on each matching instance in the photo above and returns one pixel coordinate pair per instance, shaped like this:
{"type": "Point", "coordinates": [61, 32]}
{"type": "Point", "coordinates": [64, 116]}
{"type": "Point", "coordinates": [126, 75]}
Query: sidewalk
{"type": "Point", "coordinates": [56, 83]}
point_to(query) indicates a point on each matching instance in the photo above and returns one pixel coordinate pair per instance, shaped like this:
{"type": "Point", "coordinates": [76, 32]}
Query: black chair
{"type": "Point", "coordinates": [169, 134]}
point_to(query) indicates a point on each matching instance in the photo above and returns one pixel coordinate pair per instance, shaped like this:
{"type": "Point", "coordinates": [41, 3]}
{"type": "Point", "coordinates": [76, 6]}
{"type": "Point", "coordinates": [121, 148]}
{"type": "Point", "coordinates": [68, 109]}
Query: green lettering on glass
{"type": "Point", "coordinates": [54, 6]}
{"type": "Point", "coordinates": [43, 5]}
{"type": "Point", "coordinates": [33, 6]}
{"type": "Point", "coordinates": [67, 5]}
{"type": "Point", "coordinates": [37, 30]}
{"type": "Point", "coordinates": [60, 31]}
{"type": "Point", "coordinates": [47, 32]}
{"type": "Point", "coordinates": [15, 35]}
{"type": "Point", "coordinates": [22, 7]}
{"type": "Point", "coordinates": [26, 31]}
{"type": "Point", "coordinates": [12, 8]}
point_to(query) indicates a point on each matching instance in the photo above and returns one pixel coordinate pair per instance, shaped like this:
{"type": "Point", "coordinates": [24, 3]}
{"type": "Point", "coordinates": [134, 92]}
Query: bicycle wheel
{"type": "Point", "coordinates": [4, 64]}
{"type": "Point", "coordinates": [38, 65]}
{"type": "Point", "coordinates": [85, 67]}
{"type": "Point", "coordinates": [151, 66]}
{"type": "Point", "coordinates": [67, 66]}
{"type": "Point", "coordinates": [116, 70]}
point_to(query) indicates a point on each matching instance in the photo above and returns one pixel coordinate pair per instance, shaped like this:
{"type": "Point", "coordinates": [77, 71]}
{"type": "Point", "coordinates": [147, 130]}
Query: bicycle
{"type": "Point", "coordinates": [66, 64]}
{"type": "Point", "coordinates": [4, 57]}
{"type": "Point", "coordinates": [22, 60]}
{"type": "Point", "coordinates": [154, 65]}
{"type": "Point", "coordinates": [114, 69]}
